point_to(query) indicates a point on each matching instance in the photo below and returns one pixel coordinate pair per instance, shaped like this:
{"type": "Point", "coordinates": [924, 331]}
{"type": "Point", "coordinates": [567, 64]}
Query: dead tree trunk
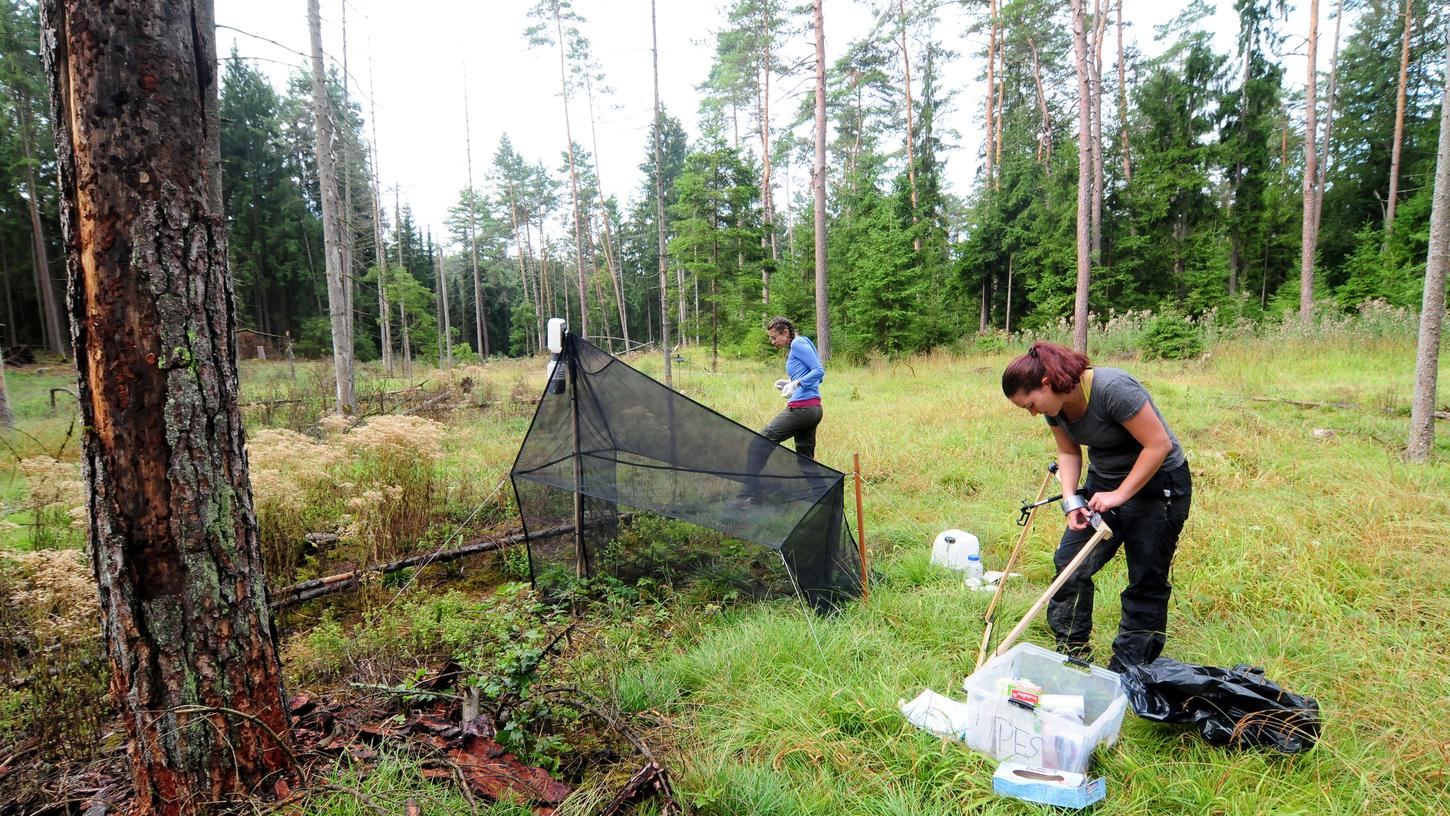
{"type": "Point", "coordinates": [1084, 177]}
{"type": "Point", "coordinates": [1432, 307]}
{"type": "Point", "coordinates": [331, 220]}
{"type": "Point", "coordinates": [480, 310]}
{"type": "Point", "coordinates": [1399, 126]}
{"type": "Point", "coordinates": [767, 185]}
{"type": "Point", "coordinates": [1328, 123]}
{"type": "Point", "coordinates": [1096, 63]}
{"type": "Point", "coordinates": [443, 308]}
{"type": "Point", "coordinates": [1044, 140]}
{"type": "Point", "coordinates": [818, 183]}
{"type": "Point", "coordinates": [1123, 101]}
{"type": "Point", "coordinates": [573, 174]}
{"type": "Point", "coordinates": [660, 203]}
{"type": "Point", "coordinates": [385, 312]}
{"type": "Point", "coordinates": [1308, 244]}
{"type": "Point", "coordinates": [991, 89]}
{"type": "Point", "coordinates": [611, 262]}
{"type": "Point", "coordinates": [910, 136]}
{"type": "Point", "coordinates": [7, 418]}
{"type": "Point", "coordinates": [54, 323]}
{"type": "Point", "coordinates": [172, 531]}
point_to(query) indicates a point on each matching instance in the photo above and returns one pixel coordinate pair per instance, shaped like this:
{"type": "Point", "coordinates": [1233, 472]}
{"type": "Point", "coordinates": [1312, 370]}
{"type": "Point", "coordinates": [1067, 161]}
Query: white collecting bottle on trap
{"type": "Point", "coordinates": [973, 578]}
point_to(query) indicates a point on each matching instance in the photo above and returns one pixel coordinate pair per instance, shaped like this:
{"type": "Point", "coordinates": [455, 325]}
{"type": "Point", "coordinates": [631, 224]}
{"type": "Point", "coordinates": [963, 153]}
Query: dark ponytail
{"type": "Point", "coordinates": [1060, 366]}
{"type": "Point", "coordinates": [781, 324]}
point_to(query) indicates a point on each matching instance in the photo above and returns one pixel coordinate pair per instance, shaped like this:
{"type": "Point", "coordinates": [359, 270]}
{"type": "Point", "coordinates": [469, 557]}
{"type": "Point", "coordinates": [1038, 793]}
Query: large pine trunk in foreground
{"type": "Point", "coordinates": [172, 531]}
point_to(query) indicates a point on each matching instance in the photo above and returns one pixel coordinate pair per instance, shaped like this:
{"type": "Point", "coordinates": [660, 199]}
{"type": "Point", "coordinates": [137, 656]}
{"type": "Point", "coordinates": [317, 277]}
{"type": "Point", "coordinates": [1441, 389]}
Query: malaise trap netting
{"type": "Point", "coordinates": [607, 440]}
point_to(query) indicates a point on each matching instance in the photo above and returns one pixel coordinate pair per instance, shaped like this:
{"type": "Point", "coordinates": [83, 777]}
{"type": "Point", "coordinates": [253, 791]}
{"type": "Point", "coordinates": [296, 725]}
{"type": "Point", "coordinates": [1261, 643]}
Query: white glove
{"type": "Point", "coordinates": [779, 384]}
{"type": "Point", "coordinates": [789, 388]}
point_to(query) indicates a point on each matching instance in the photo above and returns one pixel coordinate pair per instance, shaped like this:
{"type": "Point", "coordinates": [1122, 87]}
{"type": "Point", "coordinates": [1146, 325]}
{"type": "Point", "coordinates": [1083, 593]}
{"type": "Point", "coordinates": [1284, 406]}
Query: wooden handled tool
{"type": "Point", "coordinates": [990, 617]}
{"type": "Point", "coordinates": [1103, 531]}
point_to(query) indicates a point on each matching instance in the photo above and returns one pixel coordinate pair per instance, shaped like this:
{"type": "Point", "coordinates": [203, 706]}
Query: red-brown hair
{"type": "Point", "coordinates": [1060, 366]}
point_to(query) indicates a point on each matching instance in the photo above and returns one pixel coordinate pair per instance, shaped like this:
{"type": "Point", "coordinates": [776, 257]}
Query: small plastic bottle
{"type": "Point", "coordinates": [974, 571]}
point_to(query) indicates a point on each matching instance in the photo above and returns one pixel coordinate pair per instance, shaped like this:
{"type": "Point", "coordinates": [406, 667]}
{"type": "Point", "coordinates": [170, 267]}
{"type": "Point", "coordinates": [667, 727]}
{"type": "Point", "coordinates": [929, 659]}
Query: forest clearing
{"type": "Point", "coordinates": [1305, 555]}
{"type": "Point", "coordinates": [422, 446]}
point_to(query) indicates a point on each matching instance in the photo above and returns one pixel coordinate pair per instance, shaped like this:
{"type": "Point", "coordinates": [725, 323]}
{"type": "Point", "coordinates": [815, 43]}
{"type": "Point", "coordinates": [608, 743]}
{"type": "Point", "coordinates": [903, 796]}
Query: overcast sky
{"type": "Point", "coordinates": [407, 61]}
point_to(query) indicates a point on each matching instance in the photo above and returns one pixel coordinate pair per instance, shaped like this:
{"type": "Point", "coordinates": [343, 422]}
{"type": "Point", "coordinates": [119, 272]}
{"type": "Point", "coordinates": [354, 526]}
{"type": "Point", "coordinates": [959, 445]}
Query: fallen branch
{"type": "Point", "coordinates": [1346, 406]}
{"type": "Point", "coordinates": [307, 590]}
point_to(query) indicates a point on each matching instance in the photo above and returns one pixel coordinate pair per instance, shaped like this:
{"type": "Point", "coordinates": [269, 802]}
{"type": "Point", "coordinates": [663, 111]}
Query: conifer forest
{"type": "Point", "coordinates": [1197, 167]}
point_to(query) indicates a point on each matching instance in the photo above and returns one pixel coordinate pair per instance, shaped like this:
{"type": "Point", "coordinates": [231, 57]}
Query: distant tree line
{"type": "Point", "coordinates": [1197, 187]}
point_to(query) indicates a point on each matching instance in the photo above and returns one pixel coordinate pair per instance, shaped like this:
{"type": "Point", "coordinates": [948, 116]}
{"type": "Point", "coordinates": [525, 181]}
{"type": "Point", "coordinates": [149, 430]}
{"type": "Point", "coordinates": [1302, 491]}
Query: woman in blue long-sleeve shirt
{"type": "Point", "coordinates": [802, 413]}
{"type": "Point", "coordinates": [802, 387]}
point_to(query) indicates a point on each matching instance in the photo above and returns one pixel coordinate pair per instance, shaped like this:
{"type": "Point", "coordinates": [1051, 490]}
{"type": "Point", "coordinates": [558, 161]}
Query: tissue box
{"type": "Point", "coordinates": [1046, 786]}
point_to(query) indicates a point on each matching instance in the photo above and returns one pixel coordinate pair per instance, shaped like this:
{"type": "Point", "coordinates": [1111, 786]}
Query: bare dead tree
{"type": "Point", "coordinates": [1308, 243]}
{"type": "Point", "coordinates": [660, 203]}
{"type": "Point", "coordinates": [342, 353]}
{"type": "Point", "coordinates": [1399, 126]}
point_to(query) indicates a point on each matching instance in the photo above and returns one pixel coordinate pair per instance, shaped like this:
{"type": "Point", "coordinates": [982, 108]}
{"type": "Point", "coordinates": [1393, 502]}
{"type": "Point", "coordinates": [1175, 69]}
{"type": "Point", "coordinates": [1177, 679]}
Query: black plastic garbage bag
{"type": "Point", "coordinates": [1237, 706]}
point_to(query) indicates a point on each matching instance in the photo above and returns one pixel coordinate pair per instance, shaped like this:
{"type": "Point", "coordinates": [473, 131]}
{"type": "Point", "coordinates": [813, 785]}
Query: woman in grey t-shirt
{"type": "Point", "coordinates": [1137, 477]}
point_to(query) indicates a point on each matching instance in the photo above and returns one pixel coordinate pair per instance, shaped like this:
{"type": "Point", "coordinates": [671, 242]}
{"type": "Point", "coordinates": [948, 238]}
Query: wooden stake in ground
{"type": "Point", "coordinates": [860, 523]}
{"type": "Point", "coordinates": [171, 526]}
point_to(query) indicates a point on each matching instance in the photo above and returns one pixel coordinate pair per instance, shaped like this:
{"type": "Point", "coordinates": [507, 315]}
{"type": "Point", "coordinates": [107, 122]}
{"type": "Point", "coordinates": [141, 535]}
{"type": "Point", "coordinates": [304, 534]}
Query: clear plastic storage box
{"type": "Point", "coordinates": [1009, 730]}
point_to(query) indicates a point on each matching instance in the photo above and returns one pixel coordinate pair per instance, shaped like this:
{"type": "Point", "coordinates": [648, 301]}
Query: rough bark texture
{"type": "Point", "coordinates": [1399, 124]}
{"type": "Point", "coordinates": [331, 220]}
{"type": "Point", "coordinates": [818, 183]}
{"type": "Point", "coordinates": [1084, 178]}
{"type": "Point", "coordinates": [172, 531]}
{"type": "Point", "coordinates": [1307, 241]}
{"type": "Point", "coordinates": [1432, 308]}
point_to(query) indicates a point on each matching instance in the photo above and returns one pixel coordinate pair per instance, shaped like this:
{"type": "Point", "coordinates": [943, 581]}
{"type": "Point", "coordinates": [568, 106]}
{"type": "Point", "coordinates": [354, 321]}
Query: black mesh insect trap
{"type": "Point", "coordinates": [607, 439]}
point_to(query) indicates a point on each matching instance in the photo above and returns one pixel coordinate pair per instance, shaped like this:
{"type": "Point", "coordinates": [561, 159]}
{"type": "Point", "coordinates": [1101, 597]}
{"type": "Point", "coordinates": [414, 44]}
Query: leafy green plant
{"type": "Point", "coordinates": [1171, 335]}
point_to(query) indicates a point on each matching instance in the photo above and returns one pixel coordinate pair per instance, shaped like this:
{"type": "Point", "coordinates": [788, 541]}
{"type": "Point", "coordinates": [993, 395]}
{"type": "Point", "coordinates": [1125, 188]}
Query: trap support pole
{"type": "Point", "coordinates": [860, 522]}
{"type": "Point", "coordinates": [581, 566]}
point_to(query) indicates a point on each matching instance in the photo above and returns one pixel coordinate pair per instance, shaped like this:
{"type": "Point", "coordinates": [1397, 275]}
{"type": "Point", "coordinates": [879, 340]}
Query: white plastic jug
{"type": "Point", "coordinates": [952, 548]}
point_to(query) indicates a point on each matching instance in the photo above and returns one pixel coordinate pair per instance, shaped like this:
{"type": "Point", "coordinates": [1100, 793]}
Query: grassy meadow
{"type": "Point", "coordinates": [1312, 550]}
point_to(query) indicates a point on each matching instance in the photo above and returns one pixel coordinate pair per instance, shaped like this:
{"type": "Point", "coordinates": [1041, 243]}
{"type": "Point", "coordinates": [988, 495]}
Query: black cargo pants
{"type": "Point", "coordinates": [1146, 527]}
